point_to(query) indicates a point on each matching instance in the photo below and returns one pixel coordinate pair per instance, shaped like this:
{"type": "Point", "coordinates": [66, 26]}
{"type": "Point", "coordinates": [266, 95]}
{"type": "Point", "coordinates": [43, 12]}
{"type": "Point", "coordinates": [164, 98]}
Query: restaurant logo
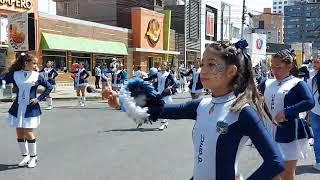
{"type": "Point", "coordinates": [153, 31]}
{"type": "Point", "coordinates": [22, 4]}
{"type": "Point", "coordinates": [259, 43]}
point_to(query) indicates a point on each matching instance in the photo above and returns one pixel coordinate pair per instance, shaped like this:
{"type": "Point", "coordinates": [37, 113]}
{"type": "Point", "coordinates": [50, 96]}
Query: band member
{"type": "Point", "coordinates": [286, 97]}
{"type": "Point", "coordinates": [24, 114]}
{"type": "Point", "coordinates": [223, 122]}
{"type": "Point", "coordinates": [50, 75]}
{"type": "Point", "coordinates": [195, 85]}
{"type": "Point", "coordinates": [165, 85]}
{"type": "Point", "coordinates": [81, 83]}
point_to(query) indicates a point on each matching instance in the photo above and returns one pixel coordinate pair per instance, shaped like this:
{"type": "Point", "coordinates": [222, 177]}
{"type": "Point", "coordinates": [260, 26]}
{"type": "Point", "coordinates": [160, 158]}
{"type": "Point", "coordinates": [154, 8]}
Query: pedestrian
{"type": "Point", "coordinates": [97, 74]}
{"type": "Point", "coordinates": [24, 114]}
{"type": "Point", "coordinates": [195, 86]}
{"type": "Point", "coordinates": [50, 75]}
{"type": "Point", "coordinates": [286, 97]}
{"type": "Point", "coordinates": [182, 78]}
{"type": "Point", "coordinates": [314, 114]}
{"type": "Point", "coordinates": [224, 121]}
{"type": "Point", "coordinates": [81, 83]}
{"type": "Point", "coordinates": [164, 84]}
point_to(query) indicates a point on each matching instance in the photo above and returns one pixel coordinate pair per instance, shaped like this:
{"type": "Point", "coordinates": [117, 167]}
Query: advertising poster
{"type": "Point", "coordinates": [210, 24]}
{"type": "Point", "coordinates": [18, 32]}
{"type": "Point", "coordinates": [258, 47]}
{"type": "Point", "coordinates": [3, 30]}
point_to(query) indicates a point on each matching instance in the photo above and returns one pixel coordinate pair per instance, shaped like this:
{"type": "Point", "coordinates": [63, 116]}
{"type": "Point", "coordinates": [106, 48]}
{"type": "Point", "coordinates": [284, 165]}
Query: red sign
{"type": "Point", "coordinates": [210, 24]}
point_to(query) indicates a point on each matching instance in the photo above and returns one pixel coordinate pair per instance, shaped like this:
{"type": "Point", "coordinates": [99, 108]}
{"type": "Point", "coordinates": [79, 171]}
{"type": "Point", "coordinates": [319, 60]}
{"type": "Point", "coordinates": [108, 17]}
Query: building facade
{"type": "Point", "coordinates": [302, 24]}
{"type": "Point", "coordinates": [278, 5]}
{"type": "Point", "coordinates": [110, 12]}
{"type": "Point", "coordinates": [269, 24]}
{"type": "Point", "coordinates": [47, 6]}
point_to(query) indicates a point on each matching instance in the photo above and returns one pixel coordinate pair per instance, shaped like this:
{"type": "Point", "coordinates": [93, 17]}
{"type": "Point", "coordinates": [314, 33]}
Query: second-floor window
{"type": "Point", "coordinates": [159, 3]}
{"type": "Point", "coordinates": [261, 25]}
{"type": "Point", "coordinates": [67, 8]}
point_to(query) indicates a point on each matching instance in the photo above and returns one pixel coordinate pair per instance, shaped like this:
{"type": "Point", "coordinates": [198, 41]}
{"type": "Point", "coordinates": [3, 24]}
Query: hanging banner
{"type": "Point", "coordinates": [18, 32]}
{"type": "Point", "coordinates": [3, 30]}
{"type": "Point", "coordinates": [210, 24]}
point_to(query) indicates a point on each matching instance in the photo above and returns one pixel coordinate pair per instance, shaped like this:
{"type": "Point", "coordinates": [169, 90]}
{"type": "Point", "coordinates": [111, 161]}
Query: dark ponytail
{"type": "Point", "coordinates": [19, 64]}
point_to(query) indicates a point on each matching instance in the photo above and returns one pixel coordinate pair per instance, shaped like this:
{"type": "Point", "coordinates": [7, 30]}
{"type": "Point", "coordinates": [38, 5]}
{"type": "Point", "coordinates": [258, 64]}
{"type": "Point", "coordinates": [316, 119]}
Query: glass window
{"type": "Point", "coordinates": [274, 7]}
{"type": "Point", "coordinates": [280, 7]}
{"type": "Point", "coordinates": [159, 3]}
{"type": "Point", "coordinates": [274, 11]}
{"type": "Point", "coordinates": [280, 2]}
{"type": "Point", "coordinates": [280, 12]}
{"type": "Point", "coordinates": [285, 2]}
{"type": "Point", "coordinates": [261, 25]}
{"type": "Point", "coordinates": [82, 57]}
{"type": "Point", "coordinates": [274, 2]}
{"type": "Point", "coordinates": [57, 57]}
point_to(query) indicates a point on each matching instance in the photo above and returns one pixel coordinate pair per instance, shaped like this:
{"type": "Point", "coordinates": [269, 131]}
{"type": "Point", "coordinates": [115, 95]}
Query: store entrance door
{"type": "Point", "coordinates": [154, 62]}
{"type": "Point", "coordinates": [3, 56]}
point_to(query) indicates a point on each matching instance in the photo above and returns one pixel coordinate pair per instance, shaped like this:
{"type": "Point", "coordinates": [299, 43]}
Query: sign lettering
{"type": "Point", "coordinates": [22, 4]}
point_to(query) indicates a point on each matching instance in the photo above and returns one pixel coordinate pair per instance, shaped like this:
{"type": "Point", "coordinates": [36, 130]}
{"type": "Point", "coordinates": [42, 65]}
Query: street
{"type": "Point", "coordinates": [98, 143]}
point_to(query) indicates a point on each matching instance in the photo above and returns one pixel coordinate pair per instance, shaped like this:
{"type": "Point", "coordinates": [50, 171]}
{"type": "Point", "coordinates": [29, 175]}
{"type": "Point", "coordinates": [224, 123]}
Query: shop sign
{"type": "Point", "coordinates": [17, 4]}
{"type": "Point", "coordinates": [18, 32]}
{"type": "Point", "coordinates": [153, 31]}
{"type": "Point", "coordinates": [210, 24]}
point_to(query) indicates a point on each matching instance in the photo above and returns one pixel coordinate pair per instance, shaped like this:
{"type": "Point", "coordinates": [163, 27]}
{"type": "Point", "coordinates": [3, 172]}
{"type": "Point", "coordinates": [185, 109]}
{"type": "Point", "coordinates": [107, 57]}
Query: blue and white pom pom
{"type": "Point", "coordinates": [136, 98]}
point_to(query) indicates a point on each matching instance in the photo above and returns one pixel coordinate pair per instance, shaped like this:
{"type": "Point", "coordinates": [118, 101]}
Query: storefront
{"type": "Point", "coordinates": [151, 38]}
{"type": "Point", "coordinates": [6, 8]}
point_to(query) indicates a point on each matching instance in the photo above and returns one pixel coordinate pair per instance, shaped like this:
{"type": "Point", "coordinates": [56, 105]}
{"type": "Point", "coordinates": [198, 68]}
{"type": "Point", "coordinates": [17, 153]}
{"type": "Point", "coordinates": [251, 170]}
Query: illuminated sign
{"type": "Point", "coordinates": [17, 4]}
{"type": "Point", "coordinates": [153, 31]}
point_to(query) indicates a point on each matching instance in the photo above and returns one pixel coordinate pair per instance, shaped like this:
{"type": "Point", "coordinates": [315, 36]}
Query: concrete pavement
{"type": "Point", "coordinates": [98, 143]}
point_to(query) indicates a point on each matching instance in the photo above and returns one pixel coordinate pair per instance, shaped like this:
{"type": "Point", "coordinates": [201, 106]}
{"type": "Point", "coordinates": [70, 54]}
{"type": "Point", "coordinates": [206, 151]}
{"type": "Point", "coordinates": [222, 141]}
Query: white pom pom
{"type": "Point", "coordinates": [138, 114]}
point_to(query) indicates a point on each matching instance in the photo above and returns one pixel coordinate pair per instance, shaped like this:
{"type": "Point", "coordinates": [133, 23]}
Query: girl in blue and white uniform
{"type": "Point", "coordinates": [286, 97]}
{"type": "Point", "coordinates": [118, 75]}
{"type": "Point", "coordinates": [224, 122]}
{"type": "Point", "coordinates": [195, 86]}
{"type": "Point", "coordinates": [24, 114]}
{"type": "Point", "coordinates": [50, 75]}
{"type": "Point", "coordinates": [81, 83]}
{"type": "Point", "coordinates": [314, 84]}
{"type": "Point", "coordinates": [165, 85]}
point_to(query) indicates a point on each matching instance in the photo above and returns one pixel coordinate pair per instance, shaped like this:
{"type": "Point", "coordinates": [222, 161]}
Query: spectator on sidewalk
{"type": "Point", "coordinates": [105, 76]}
{"type": "Point", "coordinates": [97, 74]}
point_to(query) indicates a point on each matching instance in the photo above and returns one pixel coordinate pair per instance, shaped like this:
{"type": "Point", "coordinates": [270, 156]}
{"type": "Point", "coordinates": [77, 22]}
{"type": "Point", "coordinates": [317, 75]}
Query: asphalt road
{"type": "Point", "coordinates": [97, 143]}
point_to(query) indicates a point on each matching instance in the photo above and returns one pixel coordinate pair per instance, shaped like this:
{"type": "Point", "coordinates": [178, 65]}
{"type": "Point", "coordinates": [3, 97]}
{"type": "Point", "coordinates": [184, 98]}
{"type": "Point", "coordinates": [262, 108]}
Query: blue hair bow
{"type": "Point", "coordinates": [243, 44]}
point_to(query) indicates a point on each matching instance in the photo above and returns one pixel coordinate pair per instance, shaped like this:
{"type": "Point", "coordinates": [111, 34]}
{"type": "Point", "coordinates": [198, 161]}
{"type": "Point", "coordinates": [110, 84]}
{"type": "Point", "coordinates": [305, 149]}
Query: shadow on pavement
{"type": "Point", "coordinates": [306, 169]}
{"type": "Point", "coordinates": [133, 130]}
{"type": "Point", "coordinates": [6, 167]}
{"type": "Point", "coordinates": [76, 107]}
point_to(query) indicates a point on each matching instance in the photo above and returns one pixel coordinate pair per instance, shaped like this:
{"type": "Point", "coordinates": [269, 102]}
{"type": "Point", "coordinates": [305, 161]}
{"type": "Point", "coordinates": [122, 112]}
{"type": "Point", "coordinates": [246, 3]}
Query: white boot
{"type": "Point", "coordinates": [33, 153]}
{"type": "Point", "coordinates": [83, 101]}
{"type": "Point", "coordinates": [23, 146]}
{"type": "Point", "coordinates": [49, 101]}
{"type": "Point", "coordinates": [164, 125]}
{"type": "Point", "coordinates": [79, 100]}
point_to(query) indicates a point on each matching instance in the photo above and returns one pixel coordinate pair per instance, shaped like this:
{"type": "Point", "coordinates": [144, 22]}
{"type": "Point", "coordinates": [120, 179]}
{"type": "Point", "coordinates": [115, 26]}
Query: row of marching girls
{"type": "Point", "coordinates": [24, 114]}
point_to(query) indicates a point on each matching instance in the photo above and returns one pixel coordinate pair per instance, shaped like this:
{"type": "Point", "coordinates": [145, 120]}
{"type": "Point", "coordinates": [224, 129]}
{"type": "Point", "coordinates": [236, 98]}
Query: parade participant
{"type": "Point", "coordinates": [81, 83]}
{"type": "Point", "coordinates": [118, 75]}
{"type": "Point", "coordinates": [314, 84]}
{"type": "Point", "coordinates": [182, 78]}
{"type": "Point", "coordinates": [165, 84]}
{"type": "Point", "coordinates": [24, 114]}
{"type": "Point", "coordinates": [287, 97]}
{"type": "Point", "coordinates": [105, 75]}
{"type": "Point", "coordinates": [223, 122]}
{"type": "Point", "coordinates": [195, 86]}
{"type": "Point", "coordinates": [97, 74]}
{"type": "Point", "coordinates": [49, 74]}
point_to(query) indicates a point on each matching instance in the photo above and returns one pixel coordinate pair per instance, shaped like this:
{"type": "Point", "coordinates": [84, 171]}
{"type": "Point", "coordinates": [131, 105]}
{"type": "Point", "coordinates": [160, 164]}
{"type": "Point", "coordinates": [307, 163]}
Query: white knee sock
{"type": "Point", "coordinates": [32, 147]}
{"type": "Point", "coordinates": [23, 146]}
{"type": "Point", "coordinates": [79, 99]}
{"type": "Point", "coordinates": [49, 101]}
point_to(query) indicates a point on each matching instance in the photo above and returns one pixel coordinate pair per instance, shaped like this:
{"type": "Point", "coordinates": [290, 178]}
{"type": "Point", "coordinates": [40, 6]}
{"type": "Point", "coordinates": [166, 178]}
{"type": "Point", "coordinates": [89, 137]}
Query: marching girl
{"type": "Point", "coordinates": [224, 122]}
{"type": "Point", "coordinates": [195, 86]}
{"type": "Point", "coordinates": [24, 114]}
{"type": "Point", "coordinates": [165, 85]}
{"type": "Point", "coordinates": [314, 84]}
{"type": "Point", "coordinates": [50, 75]}
{"type": "Point", "coordinates": [81, 83]}
{"type": "Point", "coordinates": [118, 75]}
{"type": "Point", "coordinates": [286, 97]}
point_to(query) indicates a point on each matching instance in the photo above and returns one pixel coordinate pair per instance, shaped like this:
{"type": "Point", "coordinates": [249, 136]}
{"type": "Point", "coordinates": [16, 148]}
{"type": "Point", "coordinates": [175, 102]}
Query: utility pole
{"type": "Point", "coordinates": [303, 31]}
{"type": "Point", "coordinates": [222, 14]}
{"type": "Point", "coordinates": [243, 17]}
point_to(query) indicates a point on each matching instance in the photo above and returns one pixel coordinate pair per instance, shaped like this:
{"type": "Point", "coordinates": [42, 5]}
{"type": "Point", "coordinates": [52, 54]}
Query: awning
{"type": "Point", "coordinates": [154, 51]}
{"type": "Point", "coordinates": [67, 43]}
